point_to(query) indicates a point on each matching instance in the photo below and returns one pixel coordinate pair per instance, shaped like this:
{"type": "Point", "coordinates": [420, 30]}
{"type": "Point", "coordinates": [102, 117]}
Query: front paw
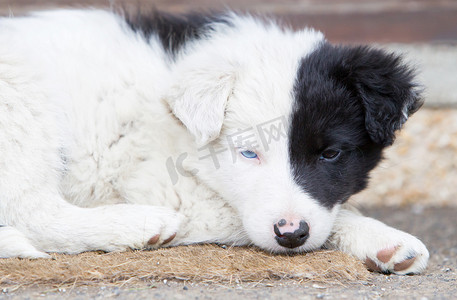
{"type": "Point", "coordinates": [382, 248]}
{"type": "Point", "coordinates": [136, 227]}
{"type": "Point", "coordinates": [405, 255]}
{"type": "Point", "coordinates": [161, 224]}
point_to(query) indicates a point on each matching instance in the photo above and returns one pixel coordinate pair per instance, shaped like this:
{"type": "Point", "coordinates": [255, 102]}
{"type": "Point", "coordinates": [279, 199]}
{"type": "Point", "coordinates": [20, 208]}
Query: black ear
{"type": "Point", "coordinates": [386, 87]}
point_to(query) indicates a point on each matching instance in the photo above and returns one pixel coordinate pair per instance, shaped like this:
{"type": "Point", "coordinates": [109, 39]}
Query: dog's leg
{"type": "Point", "coordinates": [53, 225]}
{"type": "Point", "coordinates": [382, 248]}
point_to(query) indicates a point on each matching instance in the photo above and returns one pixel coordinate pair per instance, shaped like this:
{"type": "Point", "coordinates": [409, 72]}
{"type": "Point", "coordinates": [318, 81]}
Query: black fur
{"type": "Point", "coordinates": [175, 31]}
{"type": "Point", "coordinates": [349, 99]}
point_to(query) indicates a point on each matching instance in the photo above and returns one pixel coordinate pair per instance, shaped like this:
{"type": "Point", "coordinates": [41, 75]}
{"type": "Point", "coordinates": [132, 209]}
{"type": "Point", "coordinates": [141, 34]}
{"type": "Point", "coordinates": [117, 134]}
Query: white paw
{"type": "Point", "coordinates": [382, 248]}
{"type": "Point", "coordinates": [134, 227]}
{"type": "Point", "coordinates": [401, 254]}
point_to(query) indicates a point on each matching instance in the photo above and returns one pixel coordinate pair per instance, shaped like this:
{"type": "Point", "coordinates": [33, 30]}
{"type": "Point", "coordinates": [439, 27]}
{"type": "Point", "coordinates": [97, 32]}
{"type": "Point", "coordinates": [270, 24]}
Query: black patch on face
{"type": "Point", "coordinates": [174, 31]}
{"type": "Point", "coordinates": [349, 101]}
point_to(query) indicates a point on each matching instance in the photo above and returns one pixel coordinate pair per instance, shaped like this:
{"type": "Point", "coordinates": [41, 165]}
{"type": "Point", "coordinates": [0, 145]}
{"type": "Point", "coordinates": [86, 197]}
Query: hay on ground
{"type": "Point", "coordinates": [199, 263]}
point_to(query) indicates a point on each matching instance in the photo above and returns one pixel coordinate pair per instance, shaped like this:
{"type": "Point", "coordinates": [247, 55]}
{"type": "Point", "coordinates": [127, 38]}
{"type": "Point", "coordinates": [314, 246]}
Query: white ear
{"type": "Point", "coordinates": [199, 99]}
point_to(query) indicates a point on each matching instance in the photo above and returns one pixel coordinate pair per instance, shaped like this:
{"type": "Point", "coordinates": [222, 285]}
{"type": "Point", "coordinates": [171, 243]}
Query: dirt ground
{"type": "Point", "coordinates": [435, 226]}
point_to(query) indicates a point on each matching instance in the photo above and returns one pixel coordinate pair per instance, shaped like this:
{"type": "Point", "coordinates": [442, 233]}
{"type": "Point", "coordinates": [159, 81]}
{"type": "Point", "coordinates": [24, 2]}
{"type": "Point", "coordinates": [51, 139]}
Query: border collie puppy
{"type": "Point", "coordinates": [155, 131]}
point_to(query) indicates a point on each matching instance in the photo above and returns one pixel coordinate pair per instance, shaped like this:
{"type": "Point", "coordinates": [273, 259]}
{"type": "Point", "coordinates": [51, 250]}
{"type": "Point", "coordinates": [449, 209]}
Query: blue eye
{"type": "Point", "coordinates": [249, 154]}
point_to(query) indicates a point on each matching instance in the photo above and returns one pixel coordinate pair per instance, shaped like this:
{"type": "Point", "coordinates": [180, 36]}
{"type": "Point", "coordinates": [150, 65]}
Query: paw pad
{"type": "Point", "coordinates": [404, 264]}
{"type": "Point", "coordinates": [384, 263]}
{"type": "Point", "coordinates": [154, 239]}
{"type": "Point", "coordinates": [170, 238]}
{"type": "Point", "coordinates": [386, 254]}
{"type": "Point", "coordinates": [372, 266]}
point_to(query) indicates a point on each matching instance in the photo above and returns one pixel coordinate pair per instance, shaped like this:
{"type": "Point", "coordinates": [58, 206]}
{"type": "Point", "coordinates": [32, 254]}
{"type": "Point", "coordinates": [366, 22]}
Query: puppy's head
{"type": "Point", "coordinates": [295, 125]}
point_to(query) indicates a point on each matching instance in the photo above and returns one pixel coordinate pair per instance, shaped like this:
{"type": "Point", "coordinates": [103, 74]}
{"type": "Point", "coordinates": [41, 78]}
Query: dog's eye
{"type": "Point", "coordinates": [249, 154]}
{"type": "Point", "coordinates": [330, 155]}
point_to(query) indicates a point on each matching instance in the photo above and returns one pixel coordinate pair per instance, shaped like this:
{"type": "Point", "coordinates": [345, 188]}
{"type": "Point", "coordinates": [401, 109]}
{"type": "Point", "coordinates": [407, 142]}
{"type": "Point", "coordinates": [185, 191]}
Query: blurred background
{"type": "Point", "coordinates": [421, 168]}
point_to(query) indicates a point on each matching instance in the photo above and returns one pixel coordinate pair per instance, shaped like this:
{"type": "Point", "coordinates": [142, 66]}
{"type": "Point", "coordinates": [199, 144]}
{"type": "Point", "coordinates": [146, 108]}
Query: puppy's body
{"type": "Point", "coordinates": [118, 134]}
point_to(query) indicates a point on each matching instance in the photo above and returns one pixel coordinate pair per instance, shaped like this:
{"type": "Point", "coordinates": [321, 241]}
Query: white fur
{"type": "Point", "coordinates": [363, 237]}
{"type": "Point", "coordinates": [93, 117]}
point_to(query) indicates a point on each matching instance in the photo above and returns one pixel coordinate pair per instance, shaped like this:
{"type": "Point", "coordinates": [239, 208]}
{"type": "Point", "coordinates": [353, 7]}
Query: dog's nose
{"type": "Point", "coordinates": [290, 234]}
